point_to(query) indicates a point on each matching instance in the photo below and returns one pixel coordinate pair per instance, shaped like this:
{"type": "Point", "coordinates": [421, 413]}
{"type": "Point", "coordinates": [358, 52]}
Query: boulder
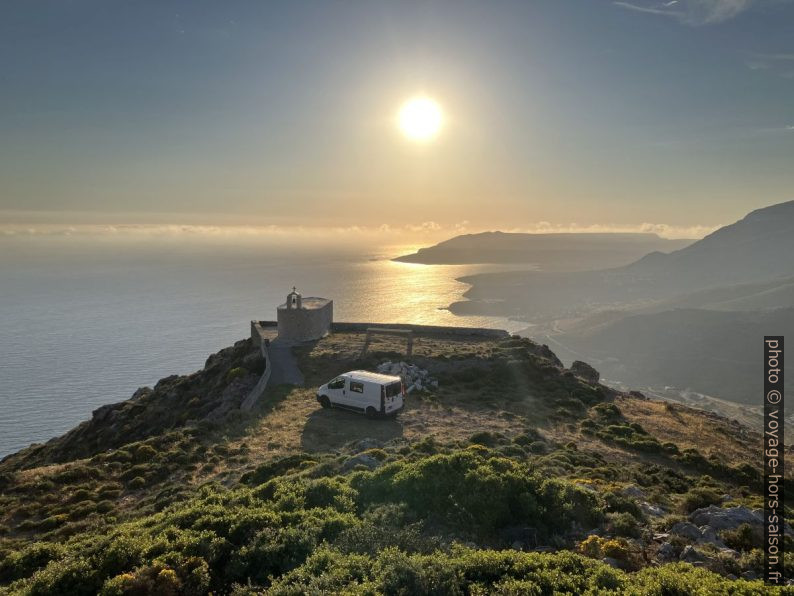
{"type": "Point", "coordinates": [652, 510]}
{"type": "Point", "coordinates": [360, 460]}
{"type": "Point", "coordinates": [585, 371]}
{"type": "Point", "coordinates": [691, 555]}
{"type": "Point", "coordinates": [666, 551]}
{"type": "Point", "coordinates": [612, 562]}
{"type": "Point", "coordinates": [633, 491]}
{"type": "Point", "coordinates": [728, 518]}
{"type": "Point", "coordinates": [708, 535]}
{"type": "Point", "coordinates": [687, 530]}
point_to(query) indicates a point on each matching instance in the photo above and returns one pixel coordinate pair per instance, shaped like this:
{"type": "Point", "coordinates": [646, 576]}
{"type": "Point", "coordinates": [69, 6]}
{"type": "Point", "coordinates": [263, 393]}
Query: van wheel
{"type": "Point", "coordinates": [371, 412]}
{"type": "Point", "coordinates": [324, 401]}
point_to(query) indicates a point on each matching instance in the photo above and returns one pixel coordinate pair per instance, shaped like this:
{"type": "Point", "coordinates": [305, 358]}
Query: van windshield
{"type": "Point", "coordinates": [393, 389]}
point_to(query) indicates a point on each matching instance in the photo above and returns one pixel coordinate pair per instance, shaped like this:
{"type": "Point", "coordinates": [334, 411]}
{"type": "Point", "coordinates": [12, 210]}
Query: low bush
{"type": "Point", "coordinates": [700, 497]}
{"type": "Point", "coordinates": [136, 483]}
{"type": "Point", "coordinates": [623, 524]}
{"type": "Point", "coordinates": [236, 373]}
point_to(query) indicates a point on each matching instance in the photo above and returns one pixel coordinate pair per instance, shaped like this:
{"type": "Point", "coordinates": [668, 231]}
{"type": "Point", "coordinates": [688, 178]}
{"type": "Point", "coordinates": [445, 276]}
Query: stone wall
{"type": "Point", "coordinates": [428, 329]}
{"type": "Point", "coordinates": [258, 337]}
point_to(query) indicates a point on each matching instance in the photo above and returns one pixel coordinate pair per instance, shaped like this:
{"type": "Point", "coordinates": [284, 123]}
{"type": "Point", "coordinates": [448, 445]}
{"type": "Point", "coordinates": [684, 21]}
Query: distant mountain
{"type": "Point", "coordinates": [548, 251]}
{"type": "Point", "coordinates": [758, 248]}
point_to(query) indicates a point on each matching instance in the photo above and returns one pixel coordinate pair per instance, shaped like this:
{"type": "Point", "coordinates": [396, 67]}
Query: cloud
{"type": "Point", "coordinates": [388, 233]}
{"type": "Point", "coordinates": [781, 64]}
{"type": "Point", "coordinates": [690, 12]}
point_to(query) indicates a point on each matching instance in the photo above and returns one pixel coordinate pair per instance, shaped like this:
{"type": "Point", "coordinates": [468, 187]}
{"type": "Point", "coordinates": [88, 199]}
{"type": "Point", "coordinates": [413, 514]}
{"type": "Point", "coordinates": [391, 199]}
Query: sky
{"type": "Point", "coordinates": [671, 116]}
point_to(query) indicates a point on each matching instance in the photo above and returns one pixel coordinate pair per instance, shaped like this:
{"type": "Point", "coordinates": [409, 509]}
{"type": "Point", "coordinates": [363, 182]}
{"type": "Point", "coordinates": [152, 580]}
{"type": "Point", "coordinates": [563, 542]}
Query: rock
{"type": "Point", "coordinates": [633, 491]}
{"type": "Point", "coordinates": [612, 562]}
{"type": "Point", "coordinates": [411, 375]}
{"type": "Point", "coordinates": [709, 535]}
{"type": "Point", "coordinates": [585, 371]}
{"type": "Point", "coordinates": [731, 553]}
{"type": "Point", "coordinates": [666, 551]}
{"type": "Point", "coordinates": [652, 510]}
{"type": "Point", "coordinates": [687, 530]}
{"type": "Point", "coordinates": [661, 537]}
{"type": "Point", "coordinates": [750, 574]}
{"type": "Point", "coordinates": [728, 518]}
{"type": "Point", "coordinates": [361, 460]}
{"type": "Point", "coordinates": [366, 443]}
{"type": "Point", "coordinates": [691, 555]}
{"type": "Point", "coordinates": [252, 360]}
{"type": "Point", "coordinates": [107, 413]}
{"type": "Point", "coordinates": [637, 394]}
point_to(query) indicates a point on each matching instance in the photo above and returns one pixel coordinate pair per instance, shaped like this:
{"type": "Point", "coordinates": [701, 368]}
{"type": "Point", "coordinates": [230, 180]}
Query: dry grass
{"type": "Point", "coordinates": [689, 428]}
{"type": "Point", "coordinates": [291, 420]}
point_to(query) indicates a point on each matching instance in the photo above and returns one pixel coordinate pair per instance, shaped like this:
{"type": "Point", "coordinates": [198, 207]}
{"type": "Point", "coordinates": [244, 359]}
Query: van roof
{"type": "Point", "coordinates": [372, 377]}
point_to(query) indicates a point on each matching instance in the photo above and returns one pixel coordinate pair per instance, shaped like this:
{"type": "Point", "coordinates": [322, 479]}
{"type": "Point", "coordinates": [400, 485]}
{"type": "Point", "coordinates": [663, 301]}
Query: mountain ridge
{"type": "Point", "coordinates": [548, 250]}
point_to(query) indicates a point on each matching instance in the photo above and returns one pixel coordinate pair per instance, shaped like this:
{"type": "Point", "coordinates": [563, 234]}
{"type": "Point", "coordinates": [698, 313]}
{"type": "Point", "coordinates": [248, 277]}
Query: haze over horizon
{"type": "Point", "coordinates": [557, 116]}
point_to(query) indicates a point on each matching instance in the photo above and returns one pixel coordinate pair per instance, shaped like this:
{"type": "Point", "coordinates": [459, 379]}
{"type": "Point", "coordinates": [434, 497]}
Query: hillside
{"type": "Point", "coordinates": [569, 251]}
{"type": "Point", "coordinates": [710, 351]}
{"type": "Point", "coordinates": [753, 250]}
{"type": "Point", "coordinates": [516, 475]}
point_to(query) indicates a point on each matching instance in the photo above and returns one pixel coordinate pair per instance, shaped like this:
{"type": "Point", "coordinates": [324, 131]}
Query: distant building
{"type": "Point", "coordinates": [304, 319]}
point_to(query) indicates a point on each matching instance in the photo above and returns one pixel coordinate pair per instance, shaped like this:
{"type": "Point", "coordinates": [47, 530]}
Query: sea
{"type": "Point", "coordinates": [85, 322]}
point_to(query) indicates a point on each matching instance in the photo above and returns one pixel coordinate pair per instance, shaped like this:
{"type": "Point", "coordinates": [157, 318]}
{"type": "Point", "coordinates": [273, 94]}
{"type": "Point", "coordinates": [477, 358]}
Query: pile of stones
{"type": "Point", "coordinates": [414, 378]}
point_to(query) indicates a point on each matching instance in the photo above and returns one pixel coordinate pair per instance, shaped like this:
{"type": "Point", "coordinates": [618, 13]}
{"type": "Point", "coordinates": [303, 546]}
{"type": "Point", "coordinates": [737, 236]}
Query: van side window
{"type": "Point", "coordinates": [356, 387]}
{"type": "Point", "coordinates": [337, 384]}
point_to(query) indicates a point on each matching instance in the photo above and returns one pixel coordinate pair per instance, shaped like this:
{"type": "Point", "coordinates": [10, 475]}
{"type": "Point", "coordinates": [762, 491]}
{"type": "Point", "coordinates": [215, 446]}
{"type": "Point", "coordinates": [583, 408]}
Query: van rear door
{"type": "Point", "coordinates": [392, 394]}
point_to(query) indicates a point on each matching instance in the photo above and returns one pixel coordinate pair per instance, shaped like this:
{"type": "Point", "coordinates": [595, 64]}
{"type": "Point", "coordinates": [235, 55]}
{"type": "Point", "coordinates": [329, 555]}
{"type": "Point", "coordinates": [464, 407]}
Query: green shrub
{"type": "Point", "coordinates": [623, 524]}
{"type": "Point", "coordinates": [136, 483]}
{"type": "Point", "coordinates": [464, 571]}
{"type": "Point", "coordinates": [144, 454]}
{"type": "Point", "coordinates": [619, 503]}
{"type": "Point", "coordinates": [236, 373]}
{"type": "Point", "coordinates": [743, 538]}
{"type": "Point", "coordinates": [700, 497]}
{"type": "Point", "coordinates": [275, 468]}
{"type": "Point", "coordinates": [105, 506]}
{"type": "Point", "coordinates": [468, 490]}
{"type": "Point", "coordinates": [22, 563]}
{"type": "Point", "coordinates": [75, 473]}
{"type": "Point", "coordinates": [80, 495]}
{"type": "Point", "coordinates": [538, 448]}
{"type": "Point", "coordinates": [484, 438]}
{"type": "Point", "coordinates": [81, 509]}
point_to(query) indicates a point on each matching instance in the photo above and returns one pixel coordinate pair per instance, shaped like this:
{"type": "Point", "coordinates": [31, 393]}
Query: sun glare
{"type": "Point", "coordinates": [420, 119]}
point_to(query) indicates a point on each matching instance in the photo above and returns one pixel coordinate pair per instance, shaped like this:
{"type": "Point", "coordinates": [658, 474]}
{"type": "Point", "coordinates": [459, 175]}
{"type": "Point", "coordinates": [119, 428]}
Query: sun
{"type": "Point", "coordinates": [420, 119]}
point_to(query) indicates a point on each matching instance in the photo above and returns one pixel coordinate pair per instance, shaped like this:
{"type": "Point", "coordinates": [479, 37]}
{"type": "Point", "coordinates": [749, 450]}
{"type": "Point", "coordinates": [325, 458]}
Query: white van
{"type": "Point", "coordinates": [362, 391]}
